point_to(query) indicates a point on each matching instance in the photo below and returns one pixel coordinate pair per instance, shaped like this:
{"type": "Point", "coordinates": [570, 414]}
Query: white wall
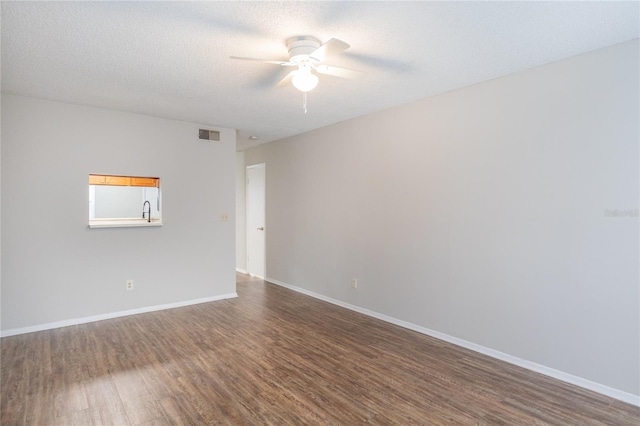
{"type": "Point", "coordinates": [119, 201]}
{"type": "Point", "coordinates": [54, 268]}
{"type": "Point", "coordinates": [241, 229]}
{"type": "Point", "coordinates": [480, 213]}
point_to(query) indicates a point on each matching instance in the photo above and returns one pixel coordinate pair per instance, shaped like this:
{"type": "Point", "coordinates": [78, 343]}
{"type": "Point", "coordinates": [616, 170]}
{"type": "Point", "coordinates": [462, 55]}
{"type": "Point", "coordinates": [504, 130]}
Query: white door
{"type": "Point", "coordinates": [255, 220]}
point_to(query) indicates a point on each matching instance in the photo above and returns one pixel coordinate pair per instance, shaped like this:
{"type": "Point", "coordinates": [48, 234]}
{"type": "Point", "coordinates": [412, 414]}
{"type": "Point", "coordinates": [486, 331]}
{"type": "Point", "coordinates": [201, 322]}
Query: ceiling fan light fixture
{"type": "Point", "coordinates": [307, 54]}
{"type": "Point", "coordinates": [304, 80]}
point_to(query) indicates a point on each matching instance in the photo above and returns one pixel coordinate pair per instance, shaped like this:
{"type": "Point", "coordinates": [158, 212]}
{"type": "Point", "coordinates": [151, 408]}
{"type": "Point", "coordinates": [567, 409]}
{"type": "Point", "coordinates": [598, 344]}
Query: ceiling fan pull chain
{"type": "Point", "coordinates": [304, 101]}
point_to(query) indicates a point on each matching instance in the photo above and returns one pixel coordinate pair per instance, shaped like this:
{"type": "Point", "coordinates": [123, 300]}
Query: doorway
{"type": "Point", "coordinates": [256, 220]}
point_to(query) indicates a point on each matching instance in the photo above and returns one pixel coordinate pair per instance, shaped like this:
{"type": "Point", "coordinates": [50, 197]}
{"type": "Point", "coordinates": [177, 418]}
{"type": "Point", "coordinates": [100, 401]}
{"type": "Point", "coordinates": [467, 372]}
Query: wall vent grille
{"type": "Point", "coordinates": [210, 135]}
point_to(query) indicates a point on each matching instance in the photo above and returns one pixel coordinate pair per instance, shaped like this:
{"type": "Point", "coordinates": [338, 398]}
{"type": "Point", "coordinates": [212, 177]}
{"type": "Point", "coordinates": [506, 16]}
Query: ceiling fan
{"type": "Point", "coordinates": [307, 55]}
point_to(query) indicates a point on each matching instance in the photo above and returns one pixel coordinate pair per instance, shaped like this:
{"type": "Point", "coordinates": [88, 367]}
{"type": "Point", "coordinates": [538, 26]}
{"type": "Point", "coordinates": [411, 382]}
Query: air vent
{"type": "Point", "coordinates": [210, 135]}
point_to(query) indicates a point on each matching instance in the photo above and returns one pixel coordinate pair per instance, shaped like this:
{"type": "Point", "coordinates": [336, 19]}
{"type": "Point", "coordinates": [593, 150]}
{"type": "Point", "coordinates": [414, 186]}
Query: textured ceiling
{"type": "Point", "coordinates": [171, 59]}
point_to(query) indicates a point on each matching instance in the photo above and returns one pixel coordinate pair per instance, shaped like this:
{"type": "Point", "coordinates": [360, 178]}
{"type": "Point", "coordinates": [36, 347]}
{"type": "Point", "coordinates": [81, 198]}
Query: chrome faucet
{"type": "Point", "coordinates": [143, 212]}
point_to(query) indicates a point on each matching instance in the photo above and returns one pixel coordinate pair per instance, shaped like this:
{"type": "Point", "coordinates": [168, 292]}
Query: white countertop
{"type": "Point", "coordinates": [123, 223]}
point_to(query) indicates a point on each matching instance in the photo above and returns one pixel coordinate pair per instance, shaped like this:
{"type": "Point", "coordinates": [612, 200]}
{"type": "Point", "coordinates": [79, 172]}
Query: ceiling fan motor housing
{"type": "Point", "coordinates": [300, 48]}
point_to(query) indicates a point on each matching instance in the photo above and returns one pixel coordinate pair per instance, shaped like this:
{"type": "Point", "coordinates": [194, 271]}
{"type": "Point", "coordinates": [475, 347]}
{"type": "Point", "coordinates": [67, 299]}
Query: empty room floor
{"type": "Point", "coordinates": [274, 356]}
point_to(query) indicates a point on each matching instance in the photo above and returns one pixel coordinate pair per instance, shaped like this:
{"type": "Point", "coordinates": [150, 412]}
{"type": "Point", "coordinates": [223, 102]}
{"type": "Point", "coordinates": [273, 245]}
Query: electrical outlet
{"type": "Point", "coordinates": [224, 217]}
{"type": "Point", "coordinates": [129, 285]}
{"type": "Point", "coordinates": [354, 283]}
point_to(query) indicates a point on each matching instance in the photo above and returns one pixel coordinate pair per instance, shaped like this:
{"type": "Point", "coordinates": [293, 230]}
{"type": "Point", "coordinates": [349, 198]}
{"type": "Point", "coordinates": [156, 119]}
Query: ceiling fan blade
{"type": "Point", "coordinates": [332, 47]}
{"type": "Point", "coordinates": [287, 78]}
{"type": "Point", "coordinates": [339, 72]}
{"type": "Point", "coordinates": [266, 61]}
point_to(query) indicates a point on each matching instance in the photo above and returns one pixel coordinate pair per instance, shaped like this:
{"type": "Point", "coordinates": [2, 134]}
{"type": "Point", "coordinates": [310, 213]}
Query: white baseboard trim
{"type": "Point", "coordinates": [93, 318]}
{"type": "Point", "coordinates": [538, 368]}
{"type": "Point", "coordinates": [242, 271]}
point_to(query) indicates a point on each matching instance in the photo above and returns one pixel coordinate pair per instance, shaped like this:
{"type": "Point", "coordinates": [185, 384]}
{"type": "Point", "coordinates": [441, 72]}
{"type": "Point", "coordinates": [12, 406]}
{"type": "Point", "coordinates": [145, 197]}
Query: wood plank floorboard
{"type": "Point", "coordinates": [274, 356]}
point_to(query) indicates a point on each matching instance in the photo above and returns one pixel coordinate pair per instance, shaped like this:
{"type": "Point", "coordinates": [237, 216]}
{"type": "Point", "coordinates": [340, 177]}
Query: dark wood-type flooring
{"type": "Point", "coordinates": [273, 356]}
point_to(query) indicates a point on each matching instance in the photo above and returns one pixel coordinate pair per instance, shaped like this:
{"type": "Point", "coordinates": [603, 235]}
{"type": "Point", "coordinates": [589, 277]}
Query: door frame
{"type": "Point", "coordinates": [264, 213]}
